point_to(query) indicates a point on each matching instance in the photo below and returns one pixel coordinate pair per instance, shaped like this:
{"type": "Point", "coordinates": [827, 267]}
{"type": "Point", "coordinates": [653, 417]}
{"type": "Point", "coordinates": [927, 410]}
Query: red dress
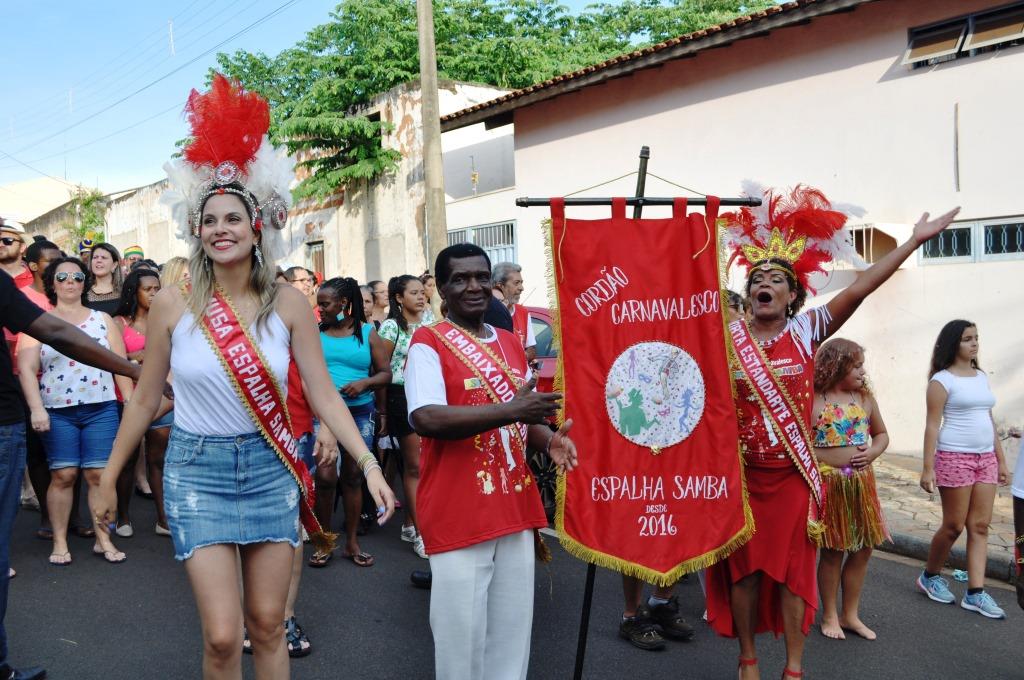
{"type": "Point", "coordinates": [780, 548]}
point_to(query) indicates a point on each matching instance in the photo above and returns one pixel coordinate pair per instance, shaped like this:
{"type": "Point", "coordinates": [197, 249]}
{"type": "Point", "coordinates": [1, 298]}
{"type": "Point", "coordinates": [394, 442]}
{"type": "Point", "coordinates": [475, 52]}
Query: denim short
{"type": "Point", "coordinates": [166, 420]}
{"type": "Point", "coordinates": [227, 490]}
{"type": "Point", "coordinates": [81, 436]}
{"type": "Point", "coordinates": [363, 417]}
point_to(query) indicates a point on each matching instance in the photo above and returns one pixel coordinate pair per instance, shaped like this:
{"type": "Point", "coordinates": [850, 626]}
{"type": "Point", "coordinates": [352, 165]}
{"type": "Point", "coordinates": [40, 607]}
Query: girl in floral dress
{"type": "Point", "coordinates": [849, 435]}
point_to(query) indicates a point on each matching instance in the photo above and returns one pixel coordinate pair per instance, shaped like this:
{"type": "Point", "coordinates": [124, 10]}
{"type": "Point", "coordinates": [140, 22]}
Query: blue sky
{"type": "Point", "coordinates": [67, 65]}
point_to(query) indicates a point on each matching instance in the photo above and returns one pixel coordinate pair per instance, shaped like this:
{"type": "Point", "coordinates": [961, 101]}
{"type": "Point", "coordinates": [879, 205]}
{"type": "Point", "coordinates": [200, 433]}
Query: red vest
{"type": "Point", "coordinates": [477, 489]}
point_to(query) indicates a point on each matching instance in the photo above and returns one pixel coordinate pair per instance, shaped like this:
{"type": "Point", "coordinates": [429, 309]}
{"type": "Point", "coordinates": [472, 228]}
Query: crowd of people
{"type": "Point", "coordinates": [164, 380]}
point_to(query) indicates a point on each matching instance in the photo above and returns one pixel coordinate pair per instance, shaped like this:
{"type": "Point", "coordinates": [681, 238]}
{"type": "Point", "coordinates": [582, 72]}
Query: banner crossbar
{"type": "Point", "coordinates": [640, 201]}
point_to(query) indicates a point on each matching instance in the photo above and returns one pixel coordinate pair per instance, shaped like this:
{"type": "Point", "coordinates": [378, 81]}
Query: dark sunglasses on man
{"type": "Point", "coordinates": [77, 277]}
{"type": "Point", "coordinates": [9, 241]}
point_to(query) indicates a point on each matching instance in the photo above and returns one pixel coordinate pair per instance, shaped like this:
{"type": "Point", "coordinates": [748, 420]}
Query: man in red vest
{"type": "Point", "coordinates": [471, 399]}
{"type": "Point", "coordinates": [507, 279]}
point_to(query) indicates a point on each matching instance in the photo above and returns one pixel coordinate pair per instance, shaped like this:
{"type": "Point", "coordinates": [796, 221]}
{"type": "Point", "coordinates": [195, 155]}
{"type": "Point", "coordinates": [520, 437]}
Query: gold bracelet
{"type": "Point", "coordinates": [361, 462]}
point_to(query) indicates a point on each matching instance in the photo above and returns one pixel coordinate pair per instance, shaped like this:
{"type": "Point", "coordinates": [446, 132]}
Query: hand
{"type": "Point", "coordinates": [928, 480]}
{"type": "Point", "coordinates": [925, 228]}
{"type": "Point", "coordinates": [1004, 474]}
{"type": "Point", "coordinates": [103, 506]}
{"type": "Point", "coordinates": [325, 448]}
{"type": "Point", "coordinates": [861, 457]}
{"type": "Point", "coordinates": [534, 408]}
{"type": "Point", "coordinates": [382, 494]}
{"type": "Point", "coordinates": [40, 420]}
{"type": "Point", "coordinates": [562, 450]}
{"type": "Point", "coordinates": [353, 389]}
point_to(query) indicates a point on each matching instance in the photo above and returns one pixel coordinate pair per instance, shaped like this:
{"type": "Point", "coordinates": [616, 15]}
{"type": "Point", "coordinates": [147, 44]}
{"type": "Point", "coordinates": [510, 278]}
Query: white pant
{"type": "Point", "coordinates": [481, 609]}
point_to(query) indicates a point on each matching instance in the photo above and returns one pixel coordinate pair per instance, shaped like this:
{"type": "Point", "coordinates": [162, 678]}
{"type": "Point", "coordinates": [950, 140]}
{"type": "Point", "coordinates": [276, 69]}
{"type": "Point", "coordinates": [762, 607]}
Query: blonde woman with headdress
{"type": "Point", "coordinates": [234, 484]}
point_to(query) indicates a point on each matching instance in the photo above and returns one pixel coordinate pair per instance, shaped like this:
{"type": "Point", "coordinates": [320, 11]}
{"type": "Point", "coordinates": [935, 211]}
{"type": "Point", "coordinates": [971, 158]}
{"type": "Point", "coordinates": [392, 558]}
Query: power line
{"type": "Point", "coordinates": [248, 28]}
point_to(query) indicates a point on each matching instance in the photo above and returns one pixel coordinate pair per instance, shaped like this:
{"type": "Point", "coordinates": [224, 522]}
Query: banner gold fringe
{"type": "Point", "coordinates": [578, 549]}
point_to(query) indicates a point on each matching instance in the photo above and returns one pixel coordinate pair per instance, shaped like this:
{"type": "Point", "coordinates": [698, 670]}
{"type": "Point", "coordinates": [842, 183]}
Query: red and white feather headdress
{"type": "Point", "coordinates": [229, 148]}
{"type": "Point", "coordinates": [797, 231]}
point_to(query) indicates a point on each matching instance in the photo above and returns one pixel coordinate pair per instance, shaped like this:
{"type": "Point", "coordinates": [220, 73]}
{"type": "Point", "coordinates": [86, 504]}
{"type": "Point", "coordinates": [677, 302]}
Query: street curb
{"type": "Point", "coordinates": [999, 567]}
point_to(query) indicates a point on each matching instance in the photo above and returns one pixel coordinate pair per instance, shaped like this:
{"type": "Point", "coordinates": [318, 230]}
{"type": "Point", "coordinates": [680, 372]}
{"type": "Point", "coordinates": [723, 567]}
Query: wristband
{"type": "Point", "coordinates": [369, 468]}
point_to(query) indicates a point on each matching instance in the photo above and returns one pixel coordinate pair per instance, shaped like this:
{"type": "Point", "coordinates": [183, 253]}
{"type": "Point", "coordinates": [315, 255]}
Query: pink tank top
{"type": "Point", "coordinates": [134, 341]}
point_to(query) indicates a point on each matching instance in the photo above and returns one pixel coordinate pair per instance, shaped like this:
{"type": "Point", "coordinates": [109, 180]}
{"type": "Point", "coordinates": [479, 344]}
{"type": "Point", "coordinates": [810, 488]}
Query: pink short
{"type": "Point", "coordinates": [965, 469]}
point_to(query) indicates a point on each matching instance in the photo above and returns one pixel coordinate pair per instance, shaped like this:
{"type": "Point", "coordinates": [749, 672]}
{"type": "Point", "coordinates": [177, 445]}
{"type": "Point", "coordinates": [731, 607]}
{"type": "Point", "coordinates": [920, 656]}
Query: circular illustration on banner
{"type": "Point", "coordinates": [655, 394]}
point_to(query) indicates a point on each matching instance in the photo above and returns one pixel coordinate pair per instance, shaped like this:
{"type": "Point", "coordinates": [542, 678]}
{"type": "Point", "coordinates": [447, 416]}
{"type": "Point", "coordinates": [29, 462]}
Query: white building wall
{"type": "Point", "coordinates": [827, 104]}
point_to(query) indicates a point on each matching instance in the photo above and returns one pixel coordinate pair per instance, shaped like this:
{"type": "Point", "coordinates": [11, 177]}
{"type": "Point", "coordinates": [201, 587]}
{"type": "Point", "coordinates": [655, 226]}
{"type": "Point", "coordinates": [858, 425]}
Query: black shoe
{"type": "Point", "coordinates": [421, 579]}
{"type": "Point", "coordinates": [667, 617]}
{"type": "Point", "coordinates": [34, 673]}
{"type": "Point", "coordinates": [641, 633]}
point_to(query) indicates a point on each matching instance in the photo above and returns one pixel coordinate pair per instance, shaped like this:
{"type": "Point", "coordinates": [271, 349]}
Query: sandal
{"type": "Point", "coordinates": [60, 559]}
{"type": "Point", "coordinates": [44, 533]}
{"type": "Point", "coordinates": [11, 573]}
{"type": "Point", "coordinates": [110, 556]}
{"type": "Point", "coordinates": [320, 559]}
{"type": "Point", "coordinates": [745, 662]}
{"type": "Point", "coordinates": [360, 559]}
{"type": "Point", "coordinates": [246, 642]}
{"type": "Point", "coordinates": [786, 673]}
{"type": "Point", "coordinates": [298, 643]}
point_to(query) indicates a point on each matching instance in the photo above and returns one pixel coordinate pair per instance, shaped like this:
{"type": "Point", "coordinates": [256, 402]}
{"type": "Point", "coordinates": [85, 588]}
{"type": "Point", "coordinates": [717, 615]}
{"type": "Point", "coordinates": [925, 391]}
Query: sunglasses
{"type": "Point", "coordinates": [8, 241]}
{"type": "Point", "coordinates": [77, 277]}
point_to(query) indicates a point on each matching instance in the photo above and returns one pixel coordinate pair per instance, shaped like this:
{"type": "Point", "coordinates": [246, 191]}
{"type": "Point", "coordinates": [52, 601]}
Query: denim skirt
{"type": "Point", "coordinates": [227, 490]}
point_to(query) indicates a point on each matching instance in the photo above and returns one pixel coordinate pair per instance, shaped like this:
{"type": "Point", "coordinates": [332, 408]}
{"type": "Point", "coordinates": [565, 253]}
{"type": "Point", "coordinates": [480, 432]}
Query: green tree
{"type": "Point", "coordinates": [316, 88]}
{"type": "Point", "coordinates": [86, 214]}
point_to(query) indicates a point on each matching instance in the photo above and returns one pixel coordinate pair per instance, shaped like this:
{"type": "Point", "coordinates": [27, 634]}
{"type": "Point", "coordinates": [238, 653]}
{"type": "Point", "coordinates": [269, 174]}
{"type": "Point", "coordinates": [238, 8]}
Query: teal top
{"type": "Point", "coordinates": [349, 360]}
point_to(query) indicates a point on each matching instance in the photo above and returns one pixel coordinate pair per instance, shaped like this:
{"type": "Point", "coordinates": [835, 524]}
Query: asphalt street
{"type": "Point", "coordinates": [137, 620]}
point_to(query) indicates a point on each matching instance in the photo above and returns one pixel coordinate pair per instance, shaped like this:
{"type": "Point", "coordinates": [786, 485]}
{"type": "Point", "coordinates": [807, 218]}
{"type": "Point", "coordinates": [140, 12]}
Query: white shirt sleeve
{"type": "Point", "coordinates": [424, 383]}
{"type": "Point", "coordinates": [531, 337]}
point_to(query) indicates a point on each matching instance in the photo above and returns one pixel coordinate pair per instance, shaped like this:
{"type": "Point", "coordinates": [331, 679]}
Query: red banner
{"type": "Point", "coordinates": [644, 367]}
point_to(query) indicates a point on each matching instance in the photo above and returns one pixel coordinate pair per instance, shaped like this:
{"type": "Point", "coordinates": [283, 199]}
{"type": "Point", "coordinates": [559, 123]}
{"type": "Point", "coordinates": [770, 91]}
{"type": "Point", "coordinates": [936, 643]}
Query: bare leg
{"type": "Point", "coordinates": [156, 448]}
{"type": "Point", "coordinates": [141, 465]}
{"type": "Point", "coordinates": [212, 573]}
{"type": "Point", "coordinates": [830, 565]}
{"type": "Point", "coordinates": [955, 502]}
{"type": "Point", "coordinates": [293, 586]}
{"type": "Point", "coordinates": [854, 572]}
{"type": "Point", "coordinates": [793, 610]}
{"type": "Point", "coordinates": [632, 591]}
{"type": "Point", "coordinates": [352, 499]}
{"type": "Point", "coordinates": [125, 487]}
{"type": "Point", "coordinates": [39, 476]}
{"type": "Point", "coordinates": [410, 446]}
{"type": "Point", "coordinates": [743, 603]}
{"type": "Point", "coordinates": [59, 495]}
{"type": "Point", "coordinates": [92, 478]}
{"type": "Point", "coordinates": [1018, 531]}
{"type": "Point", "coordinates": [979, 516]}
{"type": "Point", "coordinates": [266, 569]}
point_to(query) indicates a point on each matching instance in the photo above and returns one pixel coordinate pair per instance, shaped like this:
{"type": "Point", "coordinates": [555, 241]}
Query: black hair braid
{"type": "Point", "coordinates": [128, 306]}
{"type": "Point", "coordinates": [346, 289]}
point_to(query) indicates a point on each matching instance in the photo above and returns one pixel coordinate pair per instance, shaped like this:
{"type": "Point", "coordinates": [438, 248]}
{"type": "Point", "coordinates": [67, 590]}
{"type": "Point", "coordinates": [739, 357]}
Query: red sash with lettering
{"type": "Point", "coordinates": [644, 367]}
{"type": "Point", "coordinates": [784, 416]}
{"type": "Point", "coordinates": [262, 397]}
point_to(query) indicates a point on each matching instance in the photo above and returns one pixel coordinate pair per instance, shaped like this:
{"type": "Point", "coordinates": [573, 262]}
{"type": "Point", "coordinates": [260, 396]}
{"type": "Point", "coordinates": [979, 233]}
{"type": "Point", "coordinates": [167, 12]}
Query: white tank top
{"type": "Point", "coordinates": [205, 403]}
{"type": "Point", "coordinates": [65, 382]}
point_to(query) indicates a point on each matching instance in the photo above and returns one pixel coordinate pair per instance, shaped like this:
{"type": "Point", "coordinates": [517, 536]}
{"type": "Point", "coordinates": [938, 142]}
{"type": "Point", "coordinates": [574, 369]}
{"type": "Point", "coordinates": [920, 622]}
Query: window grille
{"type": "Point", "coordinates": [954, 242]}
{"type": "Point", "coordinates": [497, 240]}
{"type": "Point", "coordinates": [1004, 239]}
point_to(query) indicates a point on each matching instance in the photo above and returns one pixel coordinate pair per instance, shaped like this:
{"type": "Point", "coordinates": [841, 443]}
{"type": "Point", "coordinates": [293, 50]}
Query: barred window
{"type": "Point", "coordinates": [954, 242]}
{"type": "Point", "coordinates": [497, 240]}
{"type": "Point", "coordinates": [1004, 239]}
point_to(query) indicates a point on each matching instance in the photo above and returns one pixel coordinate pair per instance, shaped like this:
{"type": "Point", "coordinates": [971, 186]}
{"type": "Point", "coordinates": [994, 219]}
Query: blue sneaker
{"type": "Point", "coordinates": [936, 588]}
{"type": "Point", "coordinates": [983, 604]}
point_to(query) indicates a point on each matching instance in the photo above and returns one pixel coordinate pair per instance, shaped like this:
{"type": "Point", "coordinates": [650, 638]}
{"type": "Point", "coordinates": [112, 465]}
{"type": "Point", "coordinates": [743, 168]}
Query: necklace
{"type": "Point", "coordinates": [765, 344]}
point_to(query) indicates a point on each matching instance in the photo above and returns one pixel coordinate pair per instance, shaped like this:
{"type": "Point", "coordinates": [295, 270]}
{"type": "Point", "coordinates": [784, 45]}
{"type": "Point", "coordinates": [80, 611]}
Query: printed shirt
{"type": "Point", "coordinates": [65, 382]}
{"type": "Point", "coordinates": [390, 331]}
{"type": "Point", "coordinates": [469, 491]}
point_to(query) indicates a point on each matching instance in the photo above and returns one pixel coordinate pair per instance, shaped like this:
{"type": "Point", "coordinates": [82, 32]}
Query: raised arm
{"type": "Point", "coordinates": [843, 305]}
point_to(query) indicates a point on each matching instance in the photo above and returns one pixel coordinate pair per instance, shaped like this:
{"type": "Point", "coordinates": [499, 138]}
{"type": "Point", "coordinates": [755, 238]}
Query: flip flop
{"type": "Point", "coordinates": [109, 555]}
{"type": "Point", "coordinates": [361, 559]}
{"type": "Point", "coordinates": [84, 532]}
{"type": "Point", "coordinates": [44, 533]}
{"type": "Point", "coordinates": [11, 573]}
{"type": "Point", "coordinates": [65, 556]}
{"type": "Point", "coordinates": [320, 560]}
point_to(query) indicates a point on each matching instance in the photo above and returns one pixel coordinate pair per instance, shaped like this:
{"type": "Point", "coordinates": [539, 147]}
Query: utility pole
{"type": "Point", "coordinates": [436, 232]}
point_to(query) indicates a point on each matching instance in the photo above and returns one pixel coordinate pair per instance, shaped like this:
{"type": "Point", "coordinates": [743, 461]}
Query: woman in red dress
{"type": "Point", "coordinates": [769, 584]}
